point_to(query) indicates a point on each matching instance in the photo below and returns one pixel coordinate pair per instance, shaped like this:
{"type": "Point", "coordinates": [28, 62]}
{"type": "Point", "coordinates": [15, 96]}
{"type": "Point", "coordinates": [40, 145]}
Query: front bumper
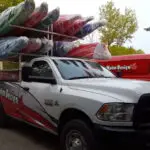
{"type": "Point", "coordinates": [121, 136]}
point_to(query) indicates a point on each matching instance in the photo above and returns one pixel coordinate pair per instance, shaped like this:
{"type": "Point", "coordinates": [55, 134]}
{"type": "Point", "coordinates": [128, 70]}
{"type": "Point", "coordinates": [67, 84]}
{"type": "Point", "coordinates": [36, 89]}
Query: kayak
{"type": "Point", "coordinates": [45, 23]}
{"type": "Point", "coordinates": [62, 48]}
{"type": "Point", "coordinates": [76, 26]}
{"type": "Point", "coordinates": [33, 46]}
{"type": "Point", "coordinates": [16, 15]}
{"type": "Point", "coordinates": [38, 14]}
{"type": "Point", "coordinates": [49, 19]}
{"type": "Point", "coordinates": [92, 50]}
{"type": "Point", "coordinates": [89, 28]}
{"type": "Point", "coordinates": [47, 45]}
{"type": "Point", "coordinates": [64, 22]}
{"type": "Point", "coordinates": [11, 46]}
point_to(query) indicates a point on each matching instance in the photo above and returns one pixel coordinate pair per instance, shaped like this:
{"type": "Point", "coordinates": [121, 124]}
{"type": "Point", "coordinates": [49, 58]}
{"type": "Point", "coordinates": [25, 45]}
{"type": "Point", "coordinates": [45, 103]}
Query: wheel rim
{"type": "Point", "coordinates": [75, 141]}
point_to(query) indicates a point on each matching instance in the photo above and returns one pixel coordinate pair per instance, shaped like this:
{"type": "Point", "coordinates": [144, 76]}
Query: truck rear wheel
{"type": "Point", "coordinates": [76, 135]}
{"type": "Point", "coordinates": [3, 117]}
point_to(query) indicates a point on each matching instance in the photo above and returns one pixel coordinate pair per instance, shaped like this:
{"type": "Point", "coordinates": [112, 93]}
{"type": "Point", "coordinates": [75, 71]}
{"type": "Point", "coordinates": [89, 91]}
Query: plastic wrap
{"type": "Point", "coordinates": [12, 45]}
{"type": "Point", "coordinates": [93, 50]}
{"type": "Point", "coordinates": [34, 45]}
{"type": "Point", "coordinates": [89, 28]}
{"type": "Point", "coordinates": [47, 45]}
{"type": "Point", "coordinates": [45, 23]}
{"type": "Point", "coordinates": [15, 15]}
{"type": "Point", "coordinates": [102, 52]}
{"type": "Point", "coordinates": [64, 22]}
{"type": "Point", "coordinates": [77, 25]}
{"type": "Point", "coordinates": [62, 48]}
{"type": "Point", "coordinates": [38, 14]}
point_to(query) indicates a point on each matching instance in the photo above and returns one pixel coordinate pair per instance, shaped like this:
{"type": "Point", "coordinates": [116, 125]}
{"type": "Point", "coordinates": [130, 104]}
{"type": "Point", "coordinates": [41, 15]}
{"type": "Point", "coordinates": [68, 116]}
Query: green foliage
{"type": "Point", "coordinates": [120, 27]}
{"type": "Point", "coordinates": [121, 50]}
{"type": "Point", "coordinates": [4, 4]}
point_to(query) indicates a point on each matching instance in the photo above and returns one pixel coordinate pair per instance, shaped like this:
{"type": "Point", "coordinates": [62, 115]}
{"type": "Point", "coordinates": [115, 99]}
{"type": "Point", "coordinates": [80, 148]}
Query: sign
{"type": "Point", "coordinates": [9, 96]}
{"type": "Point", "coordinates": [122, 67]}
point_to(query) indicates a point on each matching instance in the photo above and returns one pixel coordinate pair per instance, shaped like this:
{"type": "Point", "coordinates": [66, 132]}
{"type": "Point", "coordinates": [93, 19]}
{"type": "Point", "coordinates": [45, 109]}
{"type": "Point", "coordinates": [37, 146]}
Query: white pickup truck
{"type": "Point", "coordinates": [78, 100]}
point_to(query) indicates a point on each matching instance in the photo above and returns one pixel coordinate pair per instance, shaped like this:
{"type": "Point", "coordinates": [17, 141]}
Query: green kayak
{"type": "Point", "coordinates": [49, 19]}
{"type": "Point", "coordinates": [16, 15]}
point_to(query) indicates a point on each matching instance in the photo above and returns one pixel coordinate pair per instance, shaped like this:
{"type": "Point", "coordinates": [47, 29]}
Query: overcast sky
{"type": "Point", "coordinates": [141, 38]}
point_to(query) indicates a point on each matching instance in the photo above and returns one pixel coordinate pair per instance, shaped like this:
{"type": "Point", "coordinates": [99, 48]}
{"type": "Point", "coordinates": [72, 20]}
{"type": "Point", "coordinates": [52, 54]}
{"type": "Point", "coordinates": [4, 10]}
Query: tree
{"type": "Point", "coordinates": [120, 27]}
{"type": "Point", "coordinates": [4, 4]}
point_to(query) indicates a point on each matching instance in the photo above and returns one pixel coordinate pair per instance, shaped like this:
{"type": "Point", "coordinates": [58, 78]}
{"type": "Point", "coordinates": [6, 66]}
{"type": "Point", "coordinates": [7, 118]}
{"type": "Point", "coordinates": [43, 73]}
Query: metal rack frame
{"type": "Point", "coordinates": [48, 37]}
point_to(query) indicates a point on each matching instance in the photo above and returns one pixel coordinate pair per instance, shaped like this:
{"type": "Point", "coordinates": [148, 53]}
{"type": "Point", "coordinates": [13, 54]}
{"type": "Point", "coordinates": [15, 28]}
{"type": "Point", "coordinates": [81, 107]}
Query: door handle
{"type": "Point", "coordinates": [26, 88]}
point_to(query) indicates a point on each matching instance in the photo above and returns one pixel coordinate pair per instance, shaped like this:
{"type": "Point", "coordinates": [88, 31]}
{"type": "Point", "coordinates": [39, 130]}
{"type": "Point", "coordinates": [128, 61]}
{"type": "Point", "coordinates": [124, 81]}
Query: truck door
{"type": "Point", "coordinates": [40, 98]}
{"type": "Point", "coordinates": [9, 92]}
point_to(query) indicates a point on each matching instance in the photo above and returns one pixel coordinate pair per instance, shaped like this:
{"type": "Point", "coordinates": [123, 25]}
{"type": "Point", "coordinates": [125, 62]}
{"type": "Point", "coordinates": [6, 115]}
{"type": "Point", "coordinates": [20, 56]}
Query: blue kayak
{"type": "Point", "coordinates": [11, 46]}
{"type": "Point", "coordinates": [62, 48]}
{"type": "Point", "coordinates": [89, 28]}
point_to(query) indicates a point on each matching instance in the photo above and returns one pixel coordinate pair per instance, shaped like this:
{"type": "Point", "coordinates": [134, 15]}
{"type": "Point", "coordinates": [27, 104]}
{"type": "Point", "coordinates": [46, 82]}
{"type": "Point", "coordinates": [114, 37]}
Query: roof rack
{"type": "Point", "coordinates": [21, 55]}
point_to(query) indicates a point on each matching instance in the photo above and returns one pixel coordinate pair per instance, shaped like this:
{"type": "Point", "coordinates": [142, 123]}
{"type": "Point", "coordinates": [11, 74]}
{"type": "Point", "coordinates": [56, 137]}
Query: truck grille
{"type": "Point", "coordinates": [141, 115]}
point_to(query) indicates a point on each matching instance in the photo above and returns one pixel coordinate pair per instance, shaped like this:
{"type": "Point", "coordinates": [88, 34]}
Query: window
{"type": "Point", "coordinates": [42, 70]}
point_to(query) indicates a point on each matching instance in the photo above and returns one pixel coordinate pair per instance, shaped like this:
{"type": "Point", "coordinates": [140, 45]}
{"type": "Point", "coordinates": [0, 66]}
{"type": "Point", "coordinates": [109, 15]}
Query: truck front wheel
{"type": "Point", "coordinates": [76, 135]}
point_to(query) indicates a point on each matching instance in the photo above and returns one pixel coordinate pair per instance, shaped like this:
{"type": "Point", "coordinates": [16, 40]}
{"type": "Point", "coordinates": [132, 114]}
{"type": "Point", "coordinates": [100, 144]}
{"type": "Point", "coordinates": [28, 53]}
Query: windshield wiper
{"type": "Point", "coordinates": [73, 78]}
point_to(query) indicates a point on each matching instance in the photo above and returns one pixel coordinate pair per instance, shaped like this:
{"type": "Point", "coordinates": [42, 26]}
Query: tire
{"type": "Point", "coordinates": [3, 117]}
{"type": "Point", "coordinates": [75, 133]}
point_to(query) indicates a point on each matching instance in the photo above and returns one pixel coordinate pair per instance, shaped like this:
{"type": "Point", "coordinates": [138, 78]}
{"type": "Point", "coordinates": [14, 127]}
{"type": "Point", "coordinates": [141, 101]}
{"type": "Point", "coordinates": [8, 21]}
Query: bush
{"type": "Point", "coordinates": [121, 50]}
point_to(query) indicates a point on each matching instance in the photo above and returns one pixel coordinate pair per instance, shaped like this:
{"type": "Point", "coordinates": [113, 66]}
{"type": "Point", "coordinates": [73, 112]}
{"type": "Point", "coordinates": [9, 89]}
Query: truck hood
{"type": "Point", "coordinates": [122, 89]}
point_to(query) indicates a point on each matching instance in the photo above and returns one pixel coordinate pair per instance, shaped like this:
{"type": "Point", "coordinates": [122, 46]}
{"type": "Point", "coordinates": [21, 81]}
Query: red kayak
{"type": "Point", "coordinates": [64, 22]}
{"type": "Point", "coordinates": [92, 50]}
{"type": "Point", "coordinates": [75, 28]}
{"type": "Point", "coordinates": [33, 46]}
{"type": "Point", "coordinates": [34, 19]}
{"type": "Point", "coordinates": [76, 25]}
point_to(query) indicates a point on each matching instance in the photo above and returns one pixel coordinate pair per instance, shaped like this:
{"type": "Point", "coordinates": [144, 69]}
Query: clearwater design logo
{"type": "Point", "coordinates": [124, 67]}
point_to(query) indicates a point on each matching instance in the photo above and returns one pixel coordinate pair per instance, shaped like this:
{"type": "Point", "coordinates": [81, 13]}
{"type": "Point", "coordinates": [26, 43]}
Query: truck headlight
{"type": "Point", "coordinates": [116, 112]}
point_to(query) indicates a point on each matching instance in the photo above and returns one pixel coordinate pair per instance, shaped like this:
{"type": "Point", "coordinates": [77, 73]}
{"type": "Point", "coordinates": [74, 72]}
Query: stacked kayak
{"type": "Point", "coordinates": [76, 25]}
{"type": "Point", "coordinates": [15, 15]}
{"type": "Point", "coordinates": [14, 40]}
{"type": "Point", "coordinates": [89, 28]}
{"type": "Point", "coordinates": [47, 46]}
{"type": "Point", "coordinates": [62, 48]}
{"type": "Point", "coordinates": [72, 49]}
{"type": "Point", "coordinates": [34, 45]}
{"type": "Point", "coordinates": [34, 19]}
{"type": "Point", "coordinates": [75, 28]}
{"type": "Point", "coordinates": [11, 46]}
{"type": "Point", "coordinates": [64, 22]}
{"type": "Point", "coordinates": [92, 50]}
{"type": "Point", "coordinates": [45, 23]}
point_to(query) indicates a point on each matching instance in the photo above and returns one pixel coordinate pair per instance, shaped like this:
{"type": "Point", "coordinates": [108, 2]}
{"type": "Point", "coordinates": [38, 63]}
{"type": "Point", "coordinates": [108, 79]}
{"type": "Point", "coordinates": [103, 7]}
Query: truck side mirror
{"type": "Point", "coordinates": [119, 74]}
{"type": "Point", "coordinates": [26, 72]}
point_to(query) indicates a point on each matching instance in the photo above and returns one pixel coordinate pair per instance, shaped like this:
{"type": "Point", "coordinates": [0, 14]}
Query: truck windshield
{"type": "Point", "coordinates": [78, 69]}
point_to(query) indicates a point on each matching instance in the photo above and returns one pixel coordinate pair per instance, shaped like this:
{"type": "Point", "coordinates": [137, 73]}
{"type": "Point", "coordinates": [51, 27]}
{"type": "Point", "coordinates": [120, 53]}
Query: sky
{"type": "Point", "coordinates": [141, 38]}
